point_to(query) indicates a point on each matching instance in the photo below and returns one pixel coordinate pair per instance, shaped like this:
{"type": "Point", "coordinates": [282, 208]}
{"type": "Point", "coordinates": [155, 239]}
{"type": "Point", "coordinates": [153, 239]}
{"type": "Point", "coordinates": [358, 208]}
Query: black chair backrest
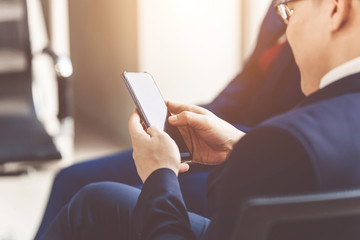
{"type": "Point", "coordinates": [334, 215]}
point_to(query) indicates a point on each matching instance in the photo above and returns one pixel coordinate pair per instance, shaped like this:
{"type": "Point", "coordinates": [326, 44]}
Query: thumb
{"type": "Point", "coordinates": [186, 118]}
{"type": "Point", "coordinates": [184, 167]}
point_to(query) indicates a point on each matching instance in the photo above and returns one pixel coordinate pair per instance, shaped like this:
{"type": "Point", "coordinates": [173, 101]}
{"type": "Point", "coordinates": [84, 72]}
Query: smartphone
{"type": "Point", "coordinates": [152, 107]}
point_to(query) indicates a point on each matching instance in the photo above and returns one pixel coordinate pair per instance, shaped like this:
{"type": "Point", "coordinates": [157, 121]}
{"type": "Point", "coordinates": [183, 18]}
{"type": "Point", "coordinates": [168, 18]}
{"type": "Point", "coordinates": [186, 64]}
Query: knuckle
{"type": "Point", "coordinates": [205, 119]}
{"type": "Point", "coordinates": [186, 115]}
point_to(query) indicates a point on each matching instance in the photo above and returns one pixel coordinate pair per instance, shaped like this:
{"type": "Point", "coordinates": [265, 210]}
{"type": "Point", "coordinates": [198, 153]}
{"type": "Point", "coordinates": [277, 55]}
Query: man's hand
{"type": "Point", "coordinates": [153, 149]}
{"type": "Point", "coordinates": [209, 138]}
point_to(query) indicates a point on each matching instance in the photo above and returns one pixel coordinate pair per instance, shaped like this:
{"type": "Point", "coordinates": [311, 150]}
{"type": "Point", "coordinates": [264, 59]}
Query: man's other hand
{"type": "Point", "coordinates": [209, 138]}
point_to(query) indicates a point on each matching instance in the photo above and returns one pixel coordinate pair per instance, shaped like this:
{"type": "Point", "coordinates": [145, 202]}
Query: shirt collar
{"type": "Point", "coordinates": [346, 69]}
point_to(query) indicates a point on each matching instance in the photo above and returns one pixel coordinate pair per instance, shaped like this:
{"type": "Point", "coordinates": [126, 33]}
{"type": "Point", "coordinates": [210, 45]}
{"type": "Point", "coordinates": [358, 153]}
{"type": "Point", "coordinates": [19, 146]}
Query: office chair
{"type": "Point", "coordinates": [23, 137]}
{"type": "Point", "coordinates": [330, 216]}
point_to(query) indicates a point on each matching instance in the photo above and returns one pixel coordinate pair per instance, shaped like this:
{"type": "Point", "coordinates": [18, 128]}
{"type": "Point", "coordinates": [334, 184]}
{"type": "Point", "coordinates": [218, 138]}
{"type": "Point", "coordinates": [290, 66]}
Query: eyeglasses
{"type": "Point", "coordinates": [283, 9]}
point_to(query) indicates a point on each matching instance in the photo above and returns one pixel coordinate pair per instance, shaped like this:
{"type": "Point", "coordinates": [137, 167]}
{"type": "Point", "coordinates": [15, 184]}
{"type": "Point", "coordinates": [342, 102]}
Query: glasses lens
{"type": "Point", "coordinates": [284, 12]}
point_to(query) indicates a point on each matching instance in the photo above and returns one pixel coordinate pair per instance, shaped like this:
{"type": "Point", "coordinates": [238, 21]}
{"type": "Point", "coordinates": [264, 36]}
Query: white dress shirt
{"type": "Point", "coordinates": [344, 70]}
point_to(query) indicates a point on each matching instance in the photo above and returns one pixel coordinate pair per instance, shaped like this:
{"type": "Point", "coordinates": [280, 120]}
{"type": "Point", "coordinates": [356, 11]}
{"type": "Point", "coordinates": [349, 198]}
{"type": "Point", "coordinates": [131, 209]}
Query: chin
{"type": "Point", "coordinates": [305, 91]}
{"type": "Point", "coordinates": [308, 87]}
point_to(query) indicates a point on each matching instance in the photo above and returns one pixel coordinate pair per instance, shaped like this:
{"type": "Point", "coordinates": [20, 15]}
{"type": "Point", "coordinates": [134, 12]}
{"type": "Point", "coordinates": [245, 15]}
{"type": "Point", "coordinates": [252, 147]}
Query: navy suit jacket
{"type": "Point", "coordinates": [314, 147]}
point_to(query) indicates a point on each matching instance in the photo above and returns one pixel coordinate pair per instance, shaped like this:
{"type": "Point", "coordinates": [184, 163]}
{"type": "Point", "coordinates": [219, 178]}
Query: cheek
{"type": "Point", "coordinates": [300, 43]}
{"type": "Point", "coordinates": [294, 42]}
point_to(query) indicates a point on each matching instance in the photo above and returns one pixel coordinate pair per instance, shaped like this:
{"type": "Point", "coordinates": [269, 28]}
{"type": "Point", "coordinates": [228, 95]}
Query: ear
{"type": "Point", "coordinates": [339, 15]}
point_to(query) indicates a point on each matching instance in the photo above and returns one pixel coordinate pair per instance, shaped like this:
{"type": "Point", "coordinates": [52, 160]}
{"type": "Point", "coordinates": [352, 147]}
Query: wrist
{"type": "Point", "coordinates": [239, 134]}
{"type": "Point", "coordinates": [236, 138]}
{"type": "Point", "coordinates": [154, 170]}
{"type": "Point", "coordinates": [144, 177]}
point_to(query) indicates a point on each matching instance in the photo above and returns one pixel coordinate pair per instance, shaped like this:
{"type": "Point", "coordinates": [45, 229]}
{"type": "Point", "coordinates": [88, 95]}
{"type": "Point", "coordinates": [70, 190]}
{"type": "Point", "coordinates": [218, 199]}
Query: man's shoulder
{"type": "Point", "coordinates": [321, 124]}
{"type": "Point", "coordinates": [321, 114]}
{"type": "Point", "coordinates": [328, 130]}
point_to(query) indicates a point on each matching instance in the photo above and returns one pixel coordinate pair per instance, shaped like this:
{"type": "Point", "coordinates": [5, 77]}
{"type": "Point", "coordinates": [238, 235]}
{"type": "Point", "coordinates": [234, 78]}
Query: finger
{"type": "Point", "coordinates": [176, 108]}
{"type": "Point", "coordinates": [184, 167]}
{"type": "Point", "coordinates": [191, 119]}
{"type": "Point", "coordinates": [134, 124]}
{"type": "Point", "coordinates": [154, 131]}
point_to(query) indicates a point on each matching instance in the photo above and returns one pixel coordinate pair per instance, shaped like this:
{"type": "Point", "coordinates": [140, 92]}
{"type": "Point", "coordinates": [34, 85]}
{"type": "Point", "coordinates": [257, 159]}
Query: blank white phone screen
{"type": "Point", "coordinates": [149, 98]}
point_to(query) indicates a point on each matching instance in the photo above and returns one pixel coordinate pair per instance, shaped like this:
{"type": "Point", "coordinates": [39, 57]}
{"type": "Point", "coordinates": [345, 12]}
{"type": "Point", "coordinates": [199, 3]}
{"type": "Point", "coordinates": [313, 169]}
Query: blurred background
{"type": "Point", "coordinates": [193, 48]}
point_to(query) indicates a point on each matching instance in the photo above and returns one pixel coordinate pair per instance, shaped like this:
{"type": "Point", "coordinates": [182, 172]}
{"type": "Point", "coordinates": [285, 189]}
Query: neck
{"type": "Point", "coordinates": [340, 47]}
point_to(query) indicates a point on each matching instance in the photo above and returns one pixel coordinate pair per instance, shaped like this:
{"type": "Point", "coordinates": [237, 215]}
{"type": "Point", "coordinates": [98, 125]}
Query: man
{"type": "Point", "coordinates": [269, 84]}
{"type": "Point", "coordinates": [314, 147]}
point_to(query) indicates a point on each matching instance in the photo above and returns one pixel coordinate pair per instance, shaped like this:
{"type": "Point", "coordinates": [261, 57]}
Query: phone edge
{"type": "Point", "coordinates": [137, 104]}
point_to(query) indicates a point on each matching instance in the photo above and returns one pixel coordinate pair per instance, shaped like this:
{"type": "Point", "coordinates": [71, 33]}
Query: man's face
{"type": "Point", "coordinates": [306, 36]}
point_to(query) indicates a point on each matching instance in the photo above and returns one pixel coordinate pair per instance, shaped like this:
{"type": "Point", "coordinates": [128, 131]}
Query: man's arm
{"type": "Point", "coordinates": [265, 162]}
{"type": "Point", "coordinates": [160, 212]}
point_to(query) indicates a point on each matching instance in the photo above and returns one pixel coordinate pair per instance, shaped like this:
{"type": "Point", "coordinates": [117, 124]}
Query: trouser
{"type": "Point", "coordinates": [104, 211]}
{"type": "Point", "coordinates": [119, 168]}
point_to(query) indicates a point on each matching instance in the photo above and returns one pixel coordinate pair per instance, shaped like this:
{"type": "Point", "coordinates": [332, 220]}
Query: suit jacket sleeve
{"type": "Point", "coordinates": [267, 161]}
{"type": "Point", "coordinates": [161, 212]}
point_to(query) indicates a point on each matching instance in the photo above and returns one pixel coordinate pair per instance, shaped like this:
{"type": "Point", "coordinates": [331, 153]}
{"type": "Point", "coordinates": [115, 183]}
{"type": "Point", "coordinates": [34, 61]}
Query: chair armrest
{"type": "Point", "coordinates": [63, 65]}
{"type": "Point", "coordinates": [64, 70]}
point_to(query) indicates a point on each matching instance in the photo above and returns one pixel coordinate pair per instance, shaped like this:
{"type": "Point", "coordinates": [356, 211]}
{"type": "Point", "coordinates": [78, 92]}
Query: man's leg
{"type": "Point", "coordinates": [103, 211]}
{"type": "Point", "coordinates": [193, 188]}
{"type": "Point", "coordinates": [115, 168]}
{"type": "Point", "coordinates": [118, 168]}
